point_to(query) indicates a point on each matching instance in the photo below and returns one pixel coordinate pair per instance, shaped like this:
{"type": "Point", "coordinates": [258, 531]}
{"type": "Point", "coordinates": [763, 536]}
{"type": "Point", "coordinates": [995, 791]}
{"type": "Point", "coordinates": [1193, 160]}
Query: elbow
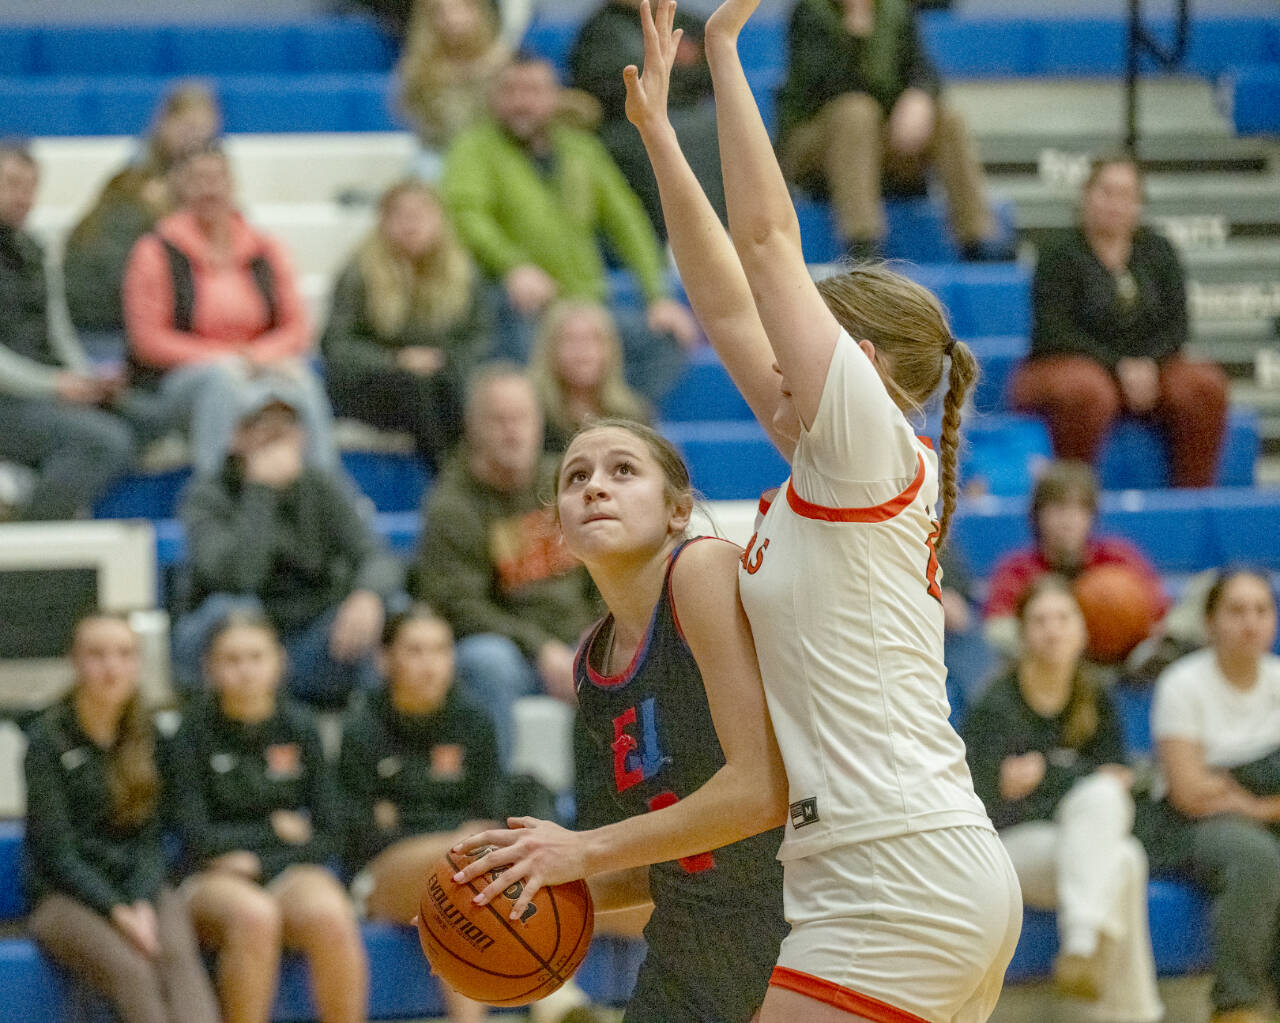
{"type": "Point", "coordinates": [765, 236]}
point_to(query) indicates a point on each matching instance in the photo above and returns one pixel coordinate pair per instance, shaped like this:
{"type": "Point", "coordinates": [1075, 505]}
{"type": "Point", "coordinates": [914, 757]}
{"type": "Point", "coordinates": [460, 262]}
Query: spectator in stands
{"type": "Point", "coordinates": [608, 41]}
{"type": "Point", "coordinates": [53, 405]}
{"type": "Point", "coordinates": [492, 560]}
{"type": "Point", "coordinates": [1216, 725]}
{"type": "Point", "coordinates": [1109, 327]}
{"type": "Point", "coordinates": [212, 309]}
{"type": "Point", "coordinates": [269, 533]}
{"type": "Point", "coordinates": [409, 323]}
{"type": "Point", "coordinates": [513, 15]}
{"type": "Point", "coordinates": [451, 61]}
{"type": "Point", "coordinates": [530, 197]}
{"type": "Point", "coordinates": [1064, 509]}
{"type": "Point", "coordinates": [96, 869]}
{"type": "Point", "coordinates": [576, 369]}
{"type": "Point", "coordinates": [260, 819]}
{"type": "Point", "coordinates": [1047, 755]}
{"type": "Point", "coordinates": [860, 106]}
{"type": "Point", "coordinates": [418, 771]}
{"type": "Point", "coordinates": [127, 208]}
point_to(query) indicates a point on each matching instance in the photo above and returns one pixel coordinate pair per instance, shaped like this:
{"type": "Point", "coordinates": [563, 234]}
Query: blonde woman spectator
{"type": "Point", "coordinates": [129, 206]}
{"type": "Point", "coordinates": [1047, 756]}
{"type": "Point", "coordinates": [452, 56]}
{"type": "Point", "coordinates": [409, 323]}
{"type": "Point", "coordinates": [576, 368]}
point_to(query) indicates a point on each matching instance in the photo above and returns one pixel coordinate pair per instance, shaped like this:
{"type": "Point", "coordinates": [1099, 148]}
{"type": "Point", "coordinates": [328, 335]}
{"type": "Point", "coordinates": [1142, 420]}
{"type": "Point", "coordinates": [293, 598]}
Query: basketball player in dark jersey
{"type": "Point", "coordinates": [677, 763]}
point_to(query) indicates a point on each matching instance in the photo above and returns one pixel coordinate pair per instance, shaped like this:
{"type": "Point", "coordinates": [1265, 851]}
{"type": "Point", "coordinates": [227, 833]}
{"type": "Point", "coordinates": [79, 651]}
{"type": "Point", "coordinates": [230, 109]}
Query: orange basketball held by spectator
{"type": "Point", "coordinates": [1119, 610]}
{"type": "Point", "coordinates": [483, 954]}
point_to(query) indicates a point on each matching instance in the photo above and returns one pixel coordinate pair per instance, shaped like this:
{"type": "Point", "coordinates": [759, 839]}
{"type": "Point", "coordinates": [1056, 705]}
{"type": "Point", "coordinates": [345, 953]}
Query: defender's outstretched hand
{"type": "Point", "coordinates": [647, 92]}
{"type": "Point", "coordinates": [730, 16]}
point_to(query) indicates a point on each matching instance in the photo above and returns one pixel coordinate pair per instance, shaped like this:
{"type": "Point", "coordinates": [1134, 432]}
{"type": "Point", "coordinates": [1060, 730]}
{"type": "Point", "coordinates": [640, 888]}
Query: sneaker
{"type": "Point", "coordinates": [1076, 976]}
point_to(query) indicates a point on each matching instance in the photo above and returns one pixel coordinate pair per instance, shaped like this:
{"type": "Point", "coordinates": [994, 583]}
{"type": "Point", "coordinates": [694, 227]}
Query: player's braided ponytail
{"type": "Point", "coordinates": [960, 380]}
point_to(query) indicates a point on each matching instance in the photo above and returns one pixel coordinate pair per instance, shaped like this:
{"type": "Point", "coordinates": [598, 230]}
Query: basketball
{"type": "Point", "coordinates": [483, 954]}
{"type": "Point", "coordinates": [1119, 610]}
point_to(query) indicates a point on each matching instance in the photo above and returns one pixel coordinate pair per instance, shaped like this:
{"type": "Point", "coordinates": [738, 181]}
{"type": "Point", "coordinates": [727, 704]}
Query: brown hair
{"type": "Point", "coordinates": [678, 488]}
{"type": "Point", "coordinates": [438, 289]}
{"type": "Point", "coordinates": [614, 399]}
{"type": "Point", "coordinates": [416, 612]}
{"type": "Point", "coordinates": [1113, 159]}
{"type": "Point", "coordinates": [133, 780]}
{"type": "Point", "coordinates": [909, 329]}
{"type": "Point", "coordinates": [1226, 576]}
{"type": "Point", "coordinates": [1081, 712]}
{"type": "Point", "coordinates": [1064, 482]}
{"type": "Point", "coordinates": [182, 97]}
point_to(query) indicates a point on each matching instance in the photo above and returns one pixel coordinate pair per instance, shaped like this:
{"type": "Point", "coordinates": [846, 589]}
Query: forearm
{"type": "Point", "coordinates": [734, 803]}
{"type": "Point", "coordinates": [619, 890]}
{"type": "Point", "coordinates": [759, 204]}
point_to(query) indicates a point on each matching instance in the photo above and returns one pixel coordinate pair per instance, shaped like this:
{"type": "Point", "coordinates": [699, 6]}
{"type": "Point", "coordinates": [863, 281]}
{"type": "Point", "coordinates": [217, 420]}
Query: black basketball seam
{"type": "Point", "coordinates": [475, 966]}
{"type": "Point", "coordinates": [556, 973]}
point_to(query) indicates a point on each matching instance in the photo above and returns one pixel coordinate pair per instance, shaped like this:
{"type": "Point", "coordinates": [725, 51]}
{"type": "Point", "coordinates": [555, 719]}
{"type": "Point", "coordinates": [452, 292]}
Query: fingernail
{"type": "Point", "coordinates": [458, 877]}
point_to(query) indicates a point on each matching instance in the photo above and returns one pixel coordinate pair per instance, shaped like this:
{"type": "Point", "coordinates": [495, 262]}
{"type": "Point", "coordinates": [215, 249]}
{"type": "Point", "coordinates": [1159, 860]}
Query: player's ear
{"type": "Point", "coordinates": [679, 516]}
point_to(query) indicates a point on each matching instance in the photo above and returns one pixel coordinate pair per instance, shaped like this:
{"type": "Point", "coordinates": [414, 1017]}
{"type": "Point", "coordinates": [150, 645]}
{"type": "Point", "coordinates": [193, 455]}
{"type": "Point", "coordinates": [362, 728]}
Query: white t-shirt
{"type": "Point", "coordinates": [842, 589]}
{"type": "Point", "coordinates": [1233, 726]}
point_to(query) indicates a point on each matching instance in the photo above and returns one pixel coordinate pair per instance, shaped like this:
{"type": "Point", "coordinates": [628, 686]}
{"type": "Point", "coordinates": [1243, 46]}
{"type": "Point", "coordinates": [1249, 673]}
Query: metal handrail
{"type": "Point", "coordinates": [1141, 41]}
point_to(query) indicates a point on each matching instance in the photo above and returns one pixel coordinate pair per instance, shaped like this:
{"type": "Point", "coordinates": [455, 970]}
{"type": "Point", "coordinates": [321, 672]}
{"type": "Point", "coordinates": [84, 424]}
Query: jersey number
{"type": "Point", "coordinates": [750, 564]}
{"type": "Point", "coordinates": [931, 571]}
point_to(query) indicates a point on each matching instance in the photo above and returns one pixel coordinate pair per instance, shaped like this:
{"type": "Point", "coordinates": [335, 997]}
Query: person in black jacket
{"type": "Point", "coordinates": [1047, 756]}
{"type": "Point", "coordinates": [95, 868]}
{"type": "Point", "coordinates": [418, 770]}
{"type": "Point", "coordinates": [608, 41]}
{"type": "Point", "coordinates": [261, 821]}
{"type": "Point", "coordinates": [274, 535]}
{"type": "Point", "coordinates": [861, 103]}
{"type": "Point", "coordinates": [1109, 326]}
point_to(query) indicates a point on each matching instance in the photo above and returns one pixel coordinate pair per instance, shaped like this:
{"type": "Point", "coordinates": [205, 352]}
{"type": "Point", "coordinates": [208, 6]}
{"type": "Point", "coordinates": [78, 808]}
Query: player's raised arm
{"type": "Point", "coordinates": [762, 221]}
{"type": "Point", "coordinates": [713, 278]}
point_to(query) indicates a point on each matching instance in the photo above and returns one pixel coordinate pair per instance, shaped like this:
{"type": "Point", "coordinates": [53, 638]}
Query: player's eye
{"type": "Point", "coordinates": [626, 468]}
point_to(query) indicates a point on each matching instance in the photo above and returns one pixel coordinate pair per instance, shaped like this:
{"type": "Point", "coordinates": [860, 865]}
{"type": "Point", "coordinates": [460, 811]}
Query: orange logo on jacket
{"type": "Point", "coordinates": [527, 549]}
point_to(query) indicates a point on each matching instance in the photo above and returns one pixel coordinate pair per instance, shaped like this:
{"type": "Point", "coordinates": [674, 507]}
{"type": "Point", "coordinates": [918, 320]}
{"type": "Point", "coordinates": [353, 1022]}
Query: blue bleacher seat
{"type": "Point", "coordinates": [45, 106]}
{"type": "Point", "coordinates": [341, 44]}
{"type": "Point", "coordinates": [18, 50]}
{"type": "Point", "coordinates": [13, 902]}
{"type": "Point", "coordinates": [374, 106]}
{"type": "Point", "coordinates": [977, 47]}
{"type": "Point", "coordinates": [1255, 100]}
{"type": "Point", "coordinates": [553, 40]}
{"type": "Point", "coordinates": [1135, 456]}
{"type": "Point", "coordinates": [1218, 44]}
{"type": "Point", "coordinates": [990, 298]}
{"type": "Point", "coordinates": [102, 50]}
{"type": "Point", "coordinates": [728, 460]}
{"type": "Point", "coordinates": [125, 104]}
{"type": "Point", "coordinates": [762, 46]}
{"type": "Point", "coordinates": [704, 392]}
{"type": "Point", "coordinates": [227, 49]}
{"type": "Point", "coordinates": [1002, 454]}
{"type": "Point", "coordinates": [998, 355]}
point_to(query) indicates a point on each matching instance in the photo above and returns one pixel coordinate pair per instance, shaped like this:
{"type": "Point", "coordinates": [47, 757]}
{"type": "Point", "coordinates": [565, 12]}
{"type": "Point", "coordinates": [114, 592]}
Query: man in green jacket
{"type": "Point", "coordinates": [492, 562]}
{"type": "Point", "coordinates": [531, 196]}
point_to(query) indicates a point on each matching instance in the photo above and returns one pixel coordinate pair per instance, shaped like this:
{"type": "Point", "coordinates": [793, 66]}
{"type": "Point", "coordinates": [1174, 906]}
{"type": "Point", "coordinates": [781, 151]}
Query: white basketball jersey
{"type": "Point", "coordinates": [841, 584]}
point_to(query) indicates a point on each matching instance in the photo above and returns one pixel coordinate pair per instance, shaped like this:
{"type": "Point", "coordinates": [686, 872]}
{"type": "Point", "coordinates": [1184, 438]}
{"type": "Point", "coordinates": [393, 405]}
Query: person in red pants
{"type": "Point", "coordinates": [1109, 326]}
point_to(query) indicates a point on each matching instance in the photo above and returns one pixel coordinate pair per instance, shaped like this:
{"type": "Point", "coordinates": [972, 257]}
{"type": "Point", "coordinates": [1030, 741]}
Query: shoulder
{"type": "Point", "coordinates": [704, 579]}
{"type": "Point", "coordinates": [454, 493]}
{"type": "Point", "coordinates": [1112, 549]}
{"type": "Point", "coordinates": [1183, 676]}
{"type": "Point", "coordinates": [1148, 239]}
{"type": "Point", "coordinates": [297, 720]}
{"type": "Point", "coordinates": [46, 734]}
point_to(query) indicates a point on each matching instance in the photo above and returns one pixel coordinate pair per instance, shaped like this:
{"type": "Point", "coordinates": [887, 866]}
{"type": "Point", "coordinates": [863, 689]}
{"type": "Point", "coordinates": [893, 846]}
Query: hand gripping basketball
{"type": "Point", "coordinates": [529, 851]}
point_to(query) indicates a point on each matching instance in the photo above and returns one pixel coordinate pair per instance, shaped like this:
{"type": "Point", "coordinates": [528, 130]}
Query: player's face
{"type": "Point", "coordinates": [419, 665]}
{"type": "Point", "coordinates": [1244, 622]}
{"type": "Point", "coordinates": [412, 224]}
{"type": "Point", "coordinates": [786, 420]}
{"type": "Point", "coordinates": [582, 352]}
{"type": "Point", "coordinates": [106, 661]}
{"type": "Point", "coordinates": [245, 666]}
{"type": "Point", "coordinates": [1053, 630]}
{"type": "Point", "coordinates": [612, 497]}
{"type": "Point", "coordinates": [1064, 530]}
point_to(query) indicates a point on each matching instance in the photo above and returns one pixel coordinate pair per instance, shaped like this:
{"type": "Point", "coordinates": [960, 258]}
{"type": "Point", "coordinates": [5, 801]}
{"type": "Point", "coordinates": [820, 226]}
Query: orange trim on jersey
{"type": "Point", "coordinates": [830, 993]}
{"type": "Point", "coordinates": [876, 513]}
{"type": "Point", "coordinates": [766, 500]}
{"type": "Point", "coordinates": [926, 441]}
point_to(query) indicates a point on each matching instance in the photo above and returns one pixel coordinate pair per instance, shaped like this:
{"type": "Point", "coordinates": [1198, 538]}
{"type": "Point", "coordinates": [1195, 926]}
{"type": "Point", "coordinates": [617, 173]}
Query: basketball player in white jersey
{"type": "Point", "coordinates": [903, 904]}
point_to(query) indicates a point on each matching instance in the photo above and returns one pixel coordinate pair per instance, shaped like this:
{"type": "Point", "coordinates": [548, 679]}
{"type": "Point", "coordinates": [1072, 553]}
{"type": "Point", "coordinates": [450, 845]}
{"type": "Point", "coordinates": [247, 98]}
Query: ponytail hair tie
{"type": "Point", "coordinates": [949, 347]}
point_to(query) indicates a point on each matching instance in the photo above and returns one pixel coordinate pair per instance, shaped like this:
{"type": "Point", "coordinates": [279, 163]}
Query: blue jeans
{"type": "Point", "coordinates": [494, 673]}
{"type": "Point", "coordinates": [311, 674]}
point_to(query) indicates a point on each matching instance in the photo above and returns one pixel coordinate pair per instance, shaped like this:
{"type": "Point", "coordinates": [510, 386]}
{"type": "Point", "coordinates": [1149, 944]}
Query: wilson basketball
{"type": "Point", "coordinates": [483, 954]}
{"type": "Point", "coordinates": [1119, 610]}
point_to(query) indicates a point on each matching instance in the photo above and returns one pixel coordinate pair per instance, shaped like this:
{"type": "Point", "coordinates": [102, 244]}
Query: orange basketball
{"type": "Point", "coordinates": [483, 954]}
{"type": "Point", "coordinates": [1119, 610]}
